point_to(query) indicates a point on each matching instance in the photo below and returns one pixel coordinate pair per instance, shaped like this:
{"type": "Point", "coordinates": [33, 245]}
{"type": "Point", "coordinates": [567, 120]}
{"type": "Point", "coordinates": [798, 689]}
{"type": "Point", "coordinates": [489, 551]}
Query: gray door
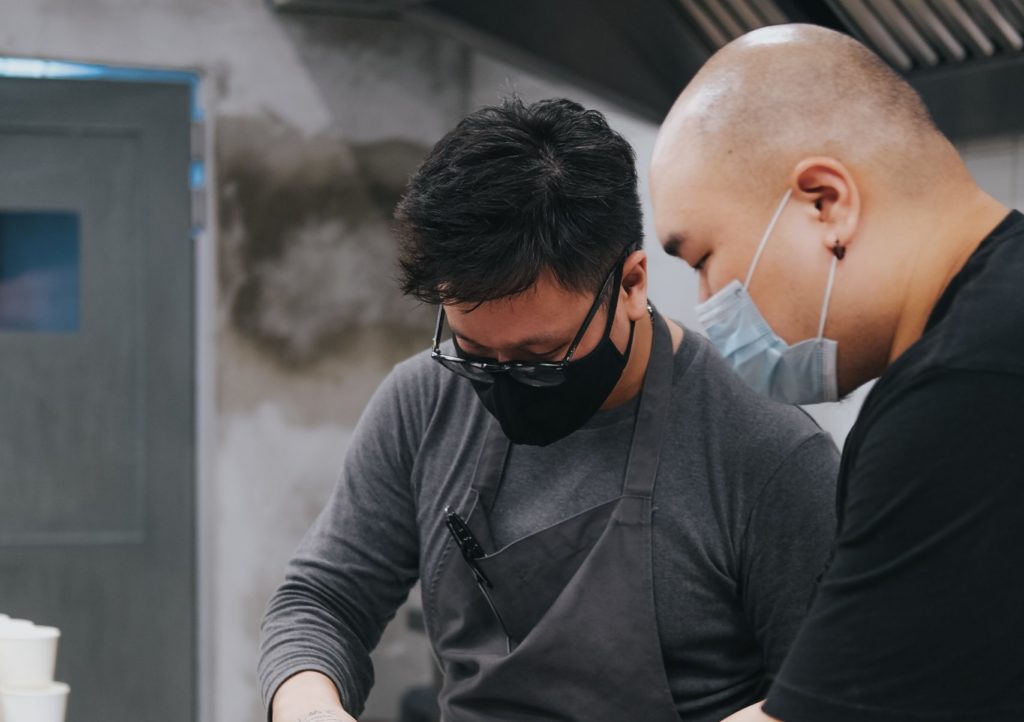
{"type": "Point", "coordinates": [97, 460]}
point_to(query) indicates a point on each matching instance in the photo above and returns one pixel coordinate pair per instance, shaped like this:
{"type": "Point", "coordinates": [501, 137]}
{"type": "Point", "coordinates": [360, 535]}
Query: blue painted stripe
{"type": "Point", "coordinates": [58, 69]}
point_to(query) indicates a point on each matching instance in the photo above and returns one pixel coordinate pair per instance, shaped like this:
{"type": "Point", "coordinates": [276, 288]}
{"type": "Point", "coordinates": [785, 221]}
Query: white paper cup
{"type": "Point", "coordinates": [28, 655]}
{"type": "Point", "coordinates": [42, 704]}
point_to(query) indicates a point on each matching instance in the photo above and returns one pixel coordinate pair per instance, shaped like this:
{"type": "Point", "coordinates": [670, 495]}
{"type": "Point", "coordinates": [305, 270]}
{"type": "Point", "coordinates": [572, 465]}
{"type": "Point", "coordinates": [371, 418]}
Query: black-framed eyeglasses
{"type": "Point", "coordinates": [531, 373]}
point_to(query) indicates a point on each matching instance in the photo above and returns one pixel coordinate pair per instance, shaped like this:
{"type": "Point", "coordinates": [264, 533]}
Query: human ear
{"type": "Point", "coordinates": [633, 291]}
{"type": "Point", "coordinates": [828, 186]}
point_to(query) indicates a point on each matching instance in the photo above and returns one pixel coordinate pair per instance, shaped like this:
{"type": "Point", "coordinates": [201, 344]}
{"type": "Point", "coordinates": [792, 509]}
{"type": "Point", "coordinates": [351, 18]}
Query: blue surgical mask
{"type": "Point", "coordinates": [804, 373]}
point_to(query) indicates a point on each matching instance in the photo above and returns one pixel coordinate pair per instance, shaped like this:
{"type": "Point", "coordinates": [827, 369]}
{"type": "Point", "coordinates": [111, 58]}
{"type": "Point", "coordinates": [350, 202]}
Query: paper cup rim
{"type": "Point", "coordinates": [34, 632]}
{"type": "Point", "coordinates": [50, 690]}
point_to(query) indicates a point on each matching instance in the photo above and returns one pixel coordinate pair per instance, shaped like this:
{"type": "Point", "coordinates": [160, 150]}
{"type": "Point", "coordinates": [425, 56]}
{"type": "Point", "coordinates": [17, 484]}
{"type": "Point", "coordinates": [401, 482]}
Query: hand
{"type": "Point", "coordinates": [326, 716]}
{"type": "Point", "coordinates": [752, 713]}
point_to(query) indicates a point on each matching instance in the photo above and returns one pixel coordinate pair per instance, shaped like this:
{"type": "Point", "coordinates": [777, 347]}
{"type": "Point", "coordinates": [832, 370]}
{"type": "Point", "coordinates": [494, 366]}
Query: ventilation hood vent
{"type": "Point", "coordinates": [966, 57]}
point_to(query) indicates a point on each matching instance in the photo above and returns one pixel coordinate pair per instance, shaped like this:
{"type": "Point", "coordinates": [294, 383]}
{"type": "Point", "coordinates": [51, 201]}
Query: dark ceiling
{"type": "Point", "coordinates": [964, 56]}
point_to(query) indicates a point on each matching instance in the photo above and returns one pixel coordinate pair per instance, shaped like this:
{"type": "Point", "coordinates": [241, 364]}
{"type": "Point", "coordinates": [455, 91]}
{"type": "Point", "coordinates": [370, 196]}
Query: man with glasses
{"type": "Point", "coordinates": [607, 524]}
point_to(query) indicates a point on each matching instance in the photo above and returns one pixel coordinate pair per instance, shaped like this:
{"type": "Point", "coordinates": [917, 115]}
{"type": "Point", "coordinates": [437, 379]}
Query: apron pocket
{"type": "Point", "coordinates": [529, 574]}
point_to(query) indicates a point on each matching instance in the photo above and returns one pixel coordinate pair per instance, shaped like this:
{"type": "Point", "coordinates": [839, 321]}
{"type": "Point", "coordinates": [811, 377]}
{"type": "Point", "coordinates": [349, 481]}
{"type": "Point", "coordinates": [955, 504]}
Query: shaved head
{"type": "Point", "coordinates": [785, 92]}
{"type": "Point", "coordinates": [809, 126]}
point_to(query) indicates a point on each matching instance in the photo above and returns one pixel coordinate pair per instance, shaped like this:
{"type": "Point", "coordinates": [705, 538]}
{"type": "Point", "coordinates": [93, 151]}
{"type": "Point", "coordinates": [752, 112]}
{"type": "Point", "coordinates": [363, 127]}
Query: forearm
{"type": "Point", "coordinates": [308, 697]}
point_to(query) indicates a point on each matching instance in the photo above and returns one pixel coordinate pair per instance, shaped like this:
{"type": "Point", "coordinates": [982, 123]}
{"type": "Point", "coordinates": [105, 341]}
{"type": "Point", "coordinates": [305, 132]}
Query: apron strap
{"type": "Point", "coordinates": [490, 468]}
{"type": "Point", "coordinates": [652, 413]}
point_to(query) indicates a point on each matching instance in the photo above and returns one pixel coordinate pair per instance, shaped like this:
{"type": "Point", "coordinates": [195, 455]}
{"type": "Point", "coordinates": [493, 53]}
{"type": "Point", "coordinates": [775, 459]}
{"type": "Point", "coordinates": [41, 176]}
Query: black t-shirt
{"type": "Point", "coordinates": [920, 615]}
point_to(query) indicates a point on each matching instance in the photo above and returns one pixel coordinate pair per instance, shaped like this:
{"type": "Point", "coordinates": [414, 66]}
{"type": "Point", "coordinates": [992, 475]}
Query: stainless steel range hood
{"type": "Point", "coordinates": [920, 34]}
{"type": "Point", "coordinates": [966, 57]}
{"type": "Point", "coordinates": [909, 34]}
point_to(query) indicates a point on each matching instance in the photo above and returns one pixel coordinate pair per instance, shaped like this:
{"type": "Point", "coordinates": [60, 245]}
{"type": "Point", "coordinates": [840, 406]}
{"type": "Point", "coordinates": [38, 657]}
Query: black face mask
{"type": "Point", "coordinates": [542, 416]}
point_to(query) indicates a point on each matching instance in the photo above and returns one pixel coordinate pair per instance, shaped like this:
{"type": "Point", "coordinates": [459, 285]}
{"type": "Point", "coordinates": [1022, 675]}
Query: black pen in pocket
{"type": "Point", "coordinates": [468, 545]}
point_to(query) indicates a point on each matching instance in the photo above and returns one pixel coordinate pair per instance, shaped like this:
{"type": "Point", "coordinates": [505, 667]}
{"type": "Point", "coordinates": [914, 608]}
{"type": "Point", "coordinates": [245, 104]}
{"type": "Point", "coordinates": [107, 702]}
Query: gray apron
{"type": "Point", "coordinates": [560, 625]}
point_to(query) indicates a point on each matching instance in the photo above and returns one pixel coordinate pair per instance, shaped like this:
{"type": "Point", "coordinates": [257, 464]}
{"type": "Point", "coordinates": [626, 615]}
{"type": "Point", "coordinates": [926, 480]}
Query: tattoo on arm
{"type": "Point", "coordinates": [321, 716]}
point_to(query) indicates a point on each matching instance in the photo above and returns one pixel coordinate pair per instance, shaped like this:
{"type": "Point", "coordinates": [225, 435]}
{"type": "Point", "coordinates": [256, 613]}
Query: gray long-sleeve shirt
{"type": "Point", "coordinates": [744, 519]}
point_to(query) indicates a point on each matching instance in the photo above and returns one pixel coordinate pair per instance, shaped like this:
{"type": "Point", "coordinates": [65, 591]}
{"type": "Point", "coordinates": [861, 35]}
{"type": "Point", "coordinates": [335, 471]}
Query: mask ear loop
{"type": "Point", "coordinates": [764, 238]}
{"type": "Point", "coordinates": [828, 295]}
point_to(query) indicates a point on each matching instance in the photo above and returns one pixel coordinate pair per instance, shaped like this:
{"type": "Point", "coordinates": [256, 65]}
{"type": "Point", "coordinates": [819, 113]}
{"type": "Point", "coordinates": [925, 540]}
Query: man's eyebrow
{"type": "Point", "coordinates": [673, 244]}
{"type": "Point", "coordinates": [532, 341]}
{"type": "Point", "coordinates": [467, 339]}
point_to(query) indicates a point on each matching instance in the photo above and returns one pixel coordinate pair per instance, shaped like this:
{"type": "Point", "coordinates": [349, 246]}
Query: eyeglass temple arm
{"type": "Point", "coordinates": [593, 312]}
{"type": "Point", "coordinates": [438, 326]}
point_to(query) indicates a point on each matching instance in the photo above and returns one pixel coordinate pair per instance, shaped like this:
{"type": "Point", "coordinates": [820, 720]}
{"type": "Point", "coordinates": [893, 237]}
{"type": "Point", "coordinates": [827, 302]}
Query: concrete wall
{"type": "Point", "coordinates": [998, 165]}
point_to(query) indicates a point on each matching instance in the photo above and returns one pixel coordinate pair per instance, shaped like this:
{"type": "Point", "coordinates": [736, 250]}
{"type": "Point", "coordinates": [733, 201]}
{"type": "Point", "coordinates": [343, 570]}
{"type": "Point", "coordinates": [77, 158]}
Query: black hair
{"type": "Point", "coordinates": [515, 190]}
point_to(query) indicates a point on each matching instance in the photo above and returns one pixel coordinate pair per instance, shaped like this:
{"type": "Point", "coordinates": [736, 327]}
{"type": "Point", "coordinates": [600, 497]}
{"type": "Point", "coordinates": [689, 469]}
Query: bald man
{"type": "Point", "coordinates": [839, 237]}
